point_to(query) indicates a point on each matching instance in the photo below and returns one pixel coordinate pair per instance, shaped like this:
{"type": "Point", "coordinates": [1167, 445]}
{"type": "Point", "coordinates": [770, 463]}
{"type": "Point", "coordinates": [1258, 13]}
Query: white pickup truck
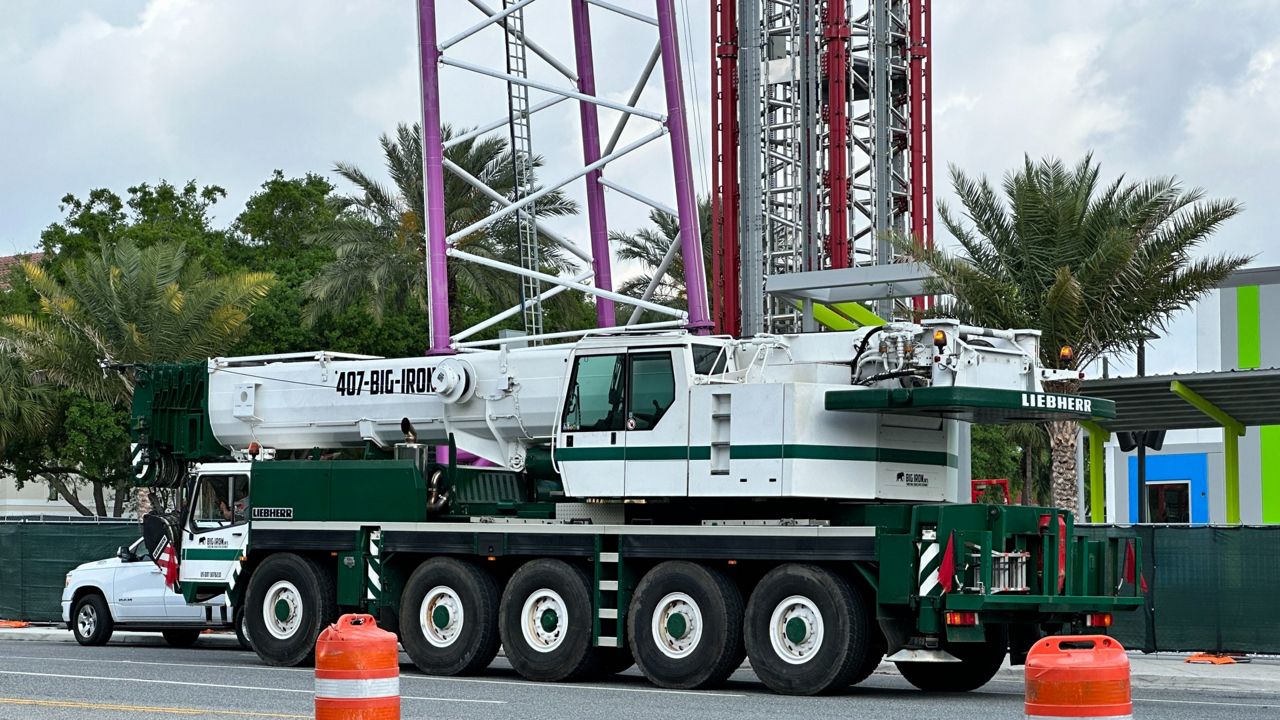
{"type": "Point", "coordinates": [128, 592]}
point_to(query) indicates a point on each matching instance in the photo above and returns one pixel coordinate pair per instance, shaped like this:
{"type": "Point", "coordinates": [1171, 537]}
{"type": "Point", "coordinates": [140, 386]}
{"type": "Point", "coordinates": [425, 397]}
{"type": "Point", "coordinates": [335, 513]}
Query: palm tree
{"type": "Point", "coordinates": [1094, 267]}
{"type": "Point", "coordinates": [379, 237]}
{"type": "Point", "coordinates": [648, 246]}
{"type": "Point", "coordinates": [128, 305]}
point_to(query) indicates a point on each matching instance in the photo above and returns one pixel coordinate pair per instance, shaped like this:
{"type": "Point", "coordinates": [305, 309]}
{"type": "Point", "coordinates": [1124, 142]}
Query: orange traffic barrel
{"type": "Point", "coordinates": [1080, 676]}
{"type": "Point", "coordinates": [357, 671]}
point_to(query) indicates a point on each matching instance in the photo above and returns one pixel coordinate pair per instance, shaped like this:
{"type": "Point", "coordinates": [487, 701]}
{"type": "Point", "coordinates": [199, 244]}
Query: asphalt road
{"type": "Point", "coordinates": [41, 680]}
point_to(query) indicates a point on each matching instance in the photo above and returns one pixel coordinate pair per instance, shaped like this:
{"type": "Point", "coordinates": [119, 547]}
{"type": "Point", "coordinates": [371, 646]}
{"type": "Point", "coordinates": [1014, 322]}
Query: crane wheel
{"type": "Point", "coordinates": [807, 630]}
{"type": "Point", "coordinates": [979, 662]}
{"type": "Point", "coordinates": [290, 601]}
{"type": "Point", "coordinates": [879, 647]}
{"type": "Point", "coordinates": [449, 617]}
{"type": "Point", "coordinates": [545, 621]}
{"type": "Point", "coordinates": [685, 626]}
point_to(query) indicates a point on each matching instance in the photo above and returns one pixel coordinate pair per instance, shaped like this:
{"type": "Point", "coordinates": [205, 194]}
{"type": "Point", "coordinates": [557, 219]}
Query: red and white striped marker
{"type": "Point", "coordinates": [357, 671]}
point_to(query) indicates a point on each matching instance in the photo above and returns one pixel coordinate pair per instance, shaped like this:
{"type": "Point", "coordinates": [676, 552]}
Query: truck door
{"type": "Point", "coordinates": [657, 442]}
{"type": "Point", "coordinates": [216, 535]}
{"type": "Point", "coordinates": [139, 587]}
{"type": "Point", "coordinates": [591, 444]}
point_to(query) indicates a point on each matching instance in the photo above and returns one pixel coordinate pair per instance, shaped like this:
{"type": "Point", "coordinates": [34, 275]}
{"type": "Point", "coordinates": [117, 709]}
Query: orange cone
{"type": "Point", "coordinates": [1084, 676]}
{"type": "Point", "coordinates": [357, 671]}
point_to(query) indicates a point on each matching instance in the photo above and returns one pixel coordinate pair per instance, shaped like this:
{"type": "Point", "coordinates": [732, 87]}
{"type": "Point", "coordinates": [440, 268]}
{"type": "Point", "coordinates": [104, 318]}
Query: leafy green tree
{"type": "Point", "coordinates": [647, 247]}
{"type": "Point", "coordinates": [378, 239]}
{"type": "Point", "coordinates": [126, 305]}
{"type": "Point", "coordinates": [1095, 267]}
{"type": "Point", "coordinates": [163, 213]}
{"type": "Point", "coordinates": [129, 305]}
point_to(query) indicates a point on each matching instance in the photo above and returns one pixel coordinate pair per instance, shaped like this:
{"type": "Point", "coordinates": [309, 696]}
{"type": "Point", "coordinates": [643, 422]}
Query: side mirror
{"type": "Point", "coordinates": [123, 553]}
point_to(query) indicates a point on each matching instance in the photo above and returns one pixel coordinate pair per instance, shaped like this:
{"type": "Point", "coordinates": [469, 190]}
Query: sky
{"type": "Point", "coordinates": [110, 93]}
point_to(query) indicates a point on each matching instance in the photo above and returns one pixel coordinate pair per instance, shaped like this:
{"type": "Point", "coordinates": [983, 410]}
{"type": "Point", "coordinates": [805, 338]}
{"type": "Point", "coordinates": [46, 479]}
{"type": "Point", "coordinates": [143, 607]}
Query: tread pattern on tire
{"type": "Point", "coordinates": [733, 650]}
{"type": "Point", "coordinates": [569, 576]}
{"type": "Point", "coordinates": [484, 645]}
{"type": "Point", "coordinates": [978, 664]}
{"type": "Point", "coordinates": [314, 580]}
{"type": "Point", "coordinates": [846, 665]}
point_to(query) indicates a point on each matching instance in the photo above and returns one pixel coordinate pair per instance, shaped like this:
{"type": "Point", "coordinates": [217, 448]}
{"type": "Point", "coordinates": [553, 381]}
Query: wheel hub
{"type": "Point", "coordinates": [441, 617]}
{"type": "Point", "coordinates": [676, 625]}
{"type": "Point", "coordinates": [282, 610]}
{"type": "Point", "coordinates": [87, 620]}
{"type": "Point", "coordinates": [543, 620]}
{"type": "Point", "coordinates": [796, 630]}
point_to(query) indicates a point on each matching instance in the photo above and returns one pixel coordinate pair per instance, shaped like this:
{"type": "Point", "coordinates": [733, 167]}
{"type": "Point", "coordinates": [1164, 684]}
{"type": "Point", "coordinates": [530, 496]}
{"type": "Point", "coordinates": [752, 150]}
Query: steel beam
{"type": "Point", "coordinates": [1232, 431]}
{"type": "Point", "coordinates": [433, 181]}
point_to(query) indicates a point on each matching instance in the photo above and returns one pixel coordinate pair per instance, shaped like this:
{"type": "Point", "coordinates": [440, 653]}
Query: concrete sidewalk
{"type": "Point", "coordinates": [58, 633]}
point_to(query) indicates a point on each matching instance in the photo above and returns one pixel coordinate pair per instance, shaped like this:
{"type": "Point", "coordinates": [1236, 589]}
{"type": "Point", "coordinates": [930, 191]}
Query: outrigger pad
{"type": "Point", "coordinates": [971, 404]}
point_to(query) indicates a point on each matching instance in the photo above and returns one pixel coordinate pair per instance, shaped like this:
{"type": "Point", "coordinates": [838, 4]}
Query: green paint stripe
{"type": "Point", "coordinates": [1269, 440]}
{"type": "Point", "coordinates": [207, 554]}
{"type": "Point", "coordinates": [761, 452]}
{"type": "Point", "coordinates": [1248, 328]}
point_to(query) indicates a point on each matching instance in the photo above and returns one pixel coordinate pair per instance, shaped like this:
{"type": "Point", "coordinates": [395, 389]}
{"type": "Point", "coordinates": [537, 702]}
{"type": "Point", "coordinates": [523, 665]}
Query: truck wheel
{"type": "Point", "coordinates": [91, 620]}
{"type": "Point", "coordinates": [685, 626]}
{"type": "Point", "coordinates": [979, 662]}
{"type": "Point", "coordinates": [545, 621]}
{"type": "Point", "coordinates": [181, 638]}
{"type": "Point", "coordinates": [879, 646]}
{"type": "Point", "coordinates": [242, 629]}
{"type": "Point", "coordinates": [449, 617]}
{"type": "Point", "coordinates": [291, 599]}
{"type": "Point", "coordinates": [806, 630]}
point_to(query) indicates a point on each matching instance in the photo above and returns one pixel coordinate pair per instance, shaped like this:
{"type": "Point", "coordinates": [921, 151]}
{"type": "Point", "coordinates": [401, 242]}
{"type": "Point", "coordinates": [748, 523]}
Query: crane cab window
{"type": "Point", "coordinates": [220, 501]}
{"type": "Point", "coordinates": [597, 393]}
{"type": "Point", "coordinates": [653, 389]}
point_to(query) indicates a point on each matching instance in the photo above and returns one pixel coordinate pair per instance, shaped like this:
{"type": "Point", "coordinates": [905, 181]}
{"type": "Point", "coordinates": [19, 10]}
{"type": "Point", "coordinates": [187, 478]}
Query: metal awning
{"type": "Point", "coordinates": [1233, 400]}
{"type": "Point", "coordinates": [1250, 397]}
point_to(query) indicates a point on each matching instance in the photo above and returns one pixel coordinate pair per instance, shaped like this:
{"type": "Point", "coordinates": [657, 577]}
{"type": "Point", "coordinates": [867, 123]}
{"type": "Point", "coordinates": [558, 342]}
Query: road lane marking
{"type": "Point", "coordinates": [219, 686]}
{"type": "Point", "coordinates": [572, 686]}
{"type": "Point", "coordinates": [74, 705]}
{"type": "Point", "coordinates": [544, 686]}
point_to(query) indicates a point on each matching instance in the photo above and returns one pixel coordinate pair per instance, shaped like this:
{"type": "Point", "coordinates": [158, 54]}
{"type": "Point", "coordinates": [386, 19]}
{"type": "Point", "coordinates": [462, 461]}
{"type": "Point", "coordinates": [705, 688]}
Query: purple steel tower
{"type": "Point", "coordinates": [542, 87]}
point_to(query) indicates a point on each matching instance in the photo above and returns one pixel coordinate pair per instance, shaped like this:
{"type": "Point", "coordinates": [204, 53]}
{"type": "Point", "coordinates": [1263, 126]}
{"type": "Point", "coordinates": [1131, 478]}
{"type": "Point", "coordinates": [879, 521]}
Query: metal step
{"type": "Point", "coordinates": [608, 614]}
{"type": "Point", "coordinates": [611, 642]}
{"type": "Point", "coordinates": [611, 585]}
{"type": "Point", "coordinates": [608, 557]}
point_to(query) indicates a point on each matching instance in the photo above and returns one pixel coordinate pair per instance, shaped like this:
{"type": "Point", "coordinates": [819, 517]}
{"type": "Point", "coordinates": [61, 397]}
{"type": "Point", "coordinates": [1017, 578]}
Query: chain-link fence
{"type": "Point", "coordinates": [37, 551]}
{"type": "Point", "coordinates": [1209, 588]}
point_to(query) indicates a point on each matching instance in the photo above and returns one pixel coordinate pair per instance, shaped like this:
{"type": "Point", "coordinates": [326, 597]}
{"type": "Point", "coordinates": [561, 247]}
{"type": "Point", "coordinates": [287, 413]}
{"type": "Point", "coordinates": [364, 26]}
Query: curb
{"type": "Point", "coordinates": [223, 640]}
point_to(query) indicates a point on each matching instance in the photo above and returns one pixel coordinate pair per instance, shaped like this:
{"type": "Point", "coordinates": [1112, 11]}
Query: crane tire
{"type": "Point", "coordinates": [545, 621]}
{"type": "Point", "coordinates": [685, 626]}
{"type": "Point", "coordinates": [807, 630]}
{"type": "Point", "coordinates": [979, 662]}
{"type": "Point", "coordinates": [291, 599]}
{"type": "Point", "coordinates": [449, 617]}
{"type": "Point", "coordinates": [879, 647]}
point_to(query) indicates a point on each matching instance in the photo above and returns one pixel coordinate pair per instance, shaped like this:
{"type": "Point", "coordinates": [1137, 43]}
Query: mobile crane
{"type": "Point", "coordinates": [660, 498]}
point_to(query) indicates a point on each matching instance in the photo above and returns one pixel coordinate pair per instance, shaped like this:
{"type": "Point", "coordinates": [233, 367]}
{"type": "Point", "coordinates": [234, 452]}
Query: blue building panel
{"type": "Point", "coordinates": [1190, 468]}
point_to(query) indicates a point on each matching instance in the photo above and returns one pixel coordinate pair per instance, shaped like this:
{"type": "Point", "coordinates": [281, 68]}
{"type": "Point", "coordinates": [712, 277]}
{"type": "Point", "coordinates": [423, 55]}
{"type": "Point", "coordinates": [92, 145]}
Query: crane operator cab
{"type": "Point", "coordinates": [215, 530]}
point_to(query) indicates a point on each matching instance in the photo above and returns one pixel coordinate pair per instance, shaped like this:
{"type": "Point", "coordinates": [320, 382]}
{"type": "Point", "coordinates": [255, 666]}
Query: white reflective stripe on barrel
{"type": "Point", "coordinates": [348, 689]}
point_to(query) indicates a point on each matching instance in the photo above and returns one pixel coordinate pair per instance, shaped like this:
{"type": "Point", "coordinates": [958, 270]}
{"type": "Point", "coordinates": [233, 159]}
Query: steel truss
{"type": "Point", "coordinates": [528, 96]}
{"type": "Point", "coordinates": [821, 148]}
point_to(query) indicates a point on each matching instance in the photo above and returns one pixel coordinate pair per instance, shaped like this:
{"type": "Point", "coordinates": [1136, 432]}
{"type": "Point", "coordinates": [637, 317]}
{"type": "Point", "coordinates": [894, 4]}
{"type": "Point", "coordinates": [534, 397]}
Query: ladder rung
{"type": "Point", "coordinates": [607, 642]}
{"type": "Point", "coordinates": [608, 584]}
{"type": "Point", "coordinates": [609, 557]}
{"type": "Point", "coordinates": [720, 415]}
{"type": "Point", "coordinates": [608, 614]}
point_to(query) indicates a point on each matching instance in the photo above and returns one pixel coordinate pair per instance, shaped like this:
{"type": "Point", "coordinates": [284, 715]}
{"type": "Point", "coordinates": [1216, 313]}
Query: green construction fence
{"type": "Point", "coordinates": [1209, 588]}
{"type": "Point", "coordinates": [37, 552]}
